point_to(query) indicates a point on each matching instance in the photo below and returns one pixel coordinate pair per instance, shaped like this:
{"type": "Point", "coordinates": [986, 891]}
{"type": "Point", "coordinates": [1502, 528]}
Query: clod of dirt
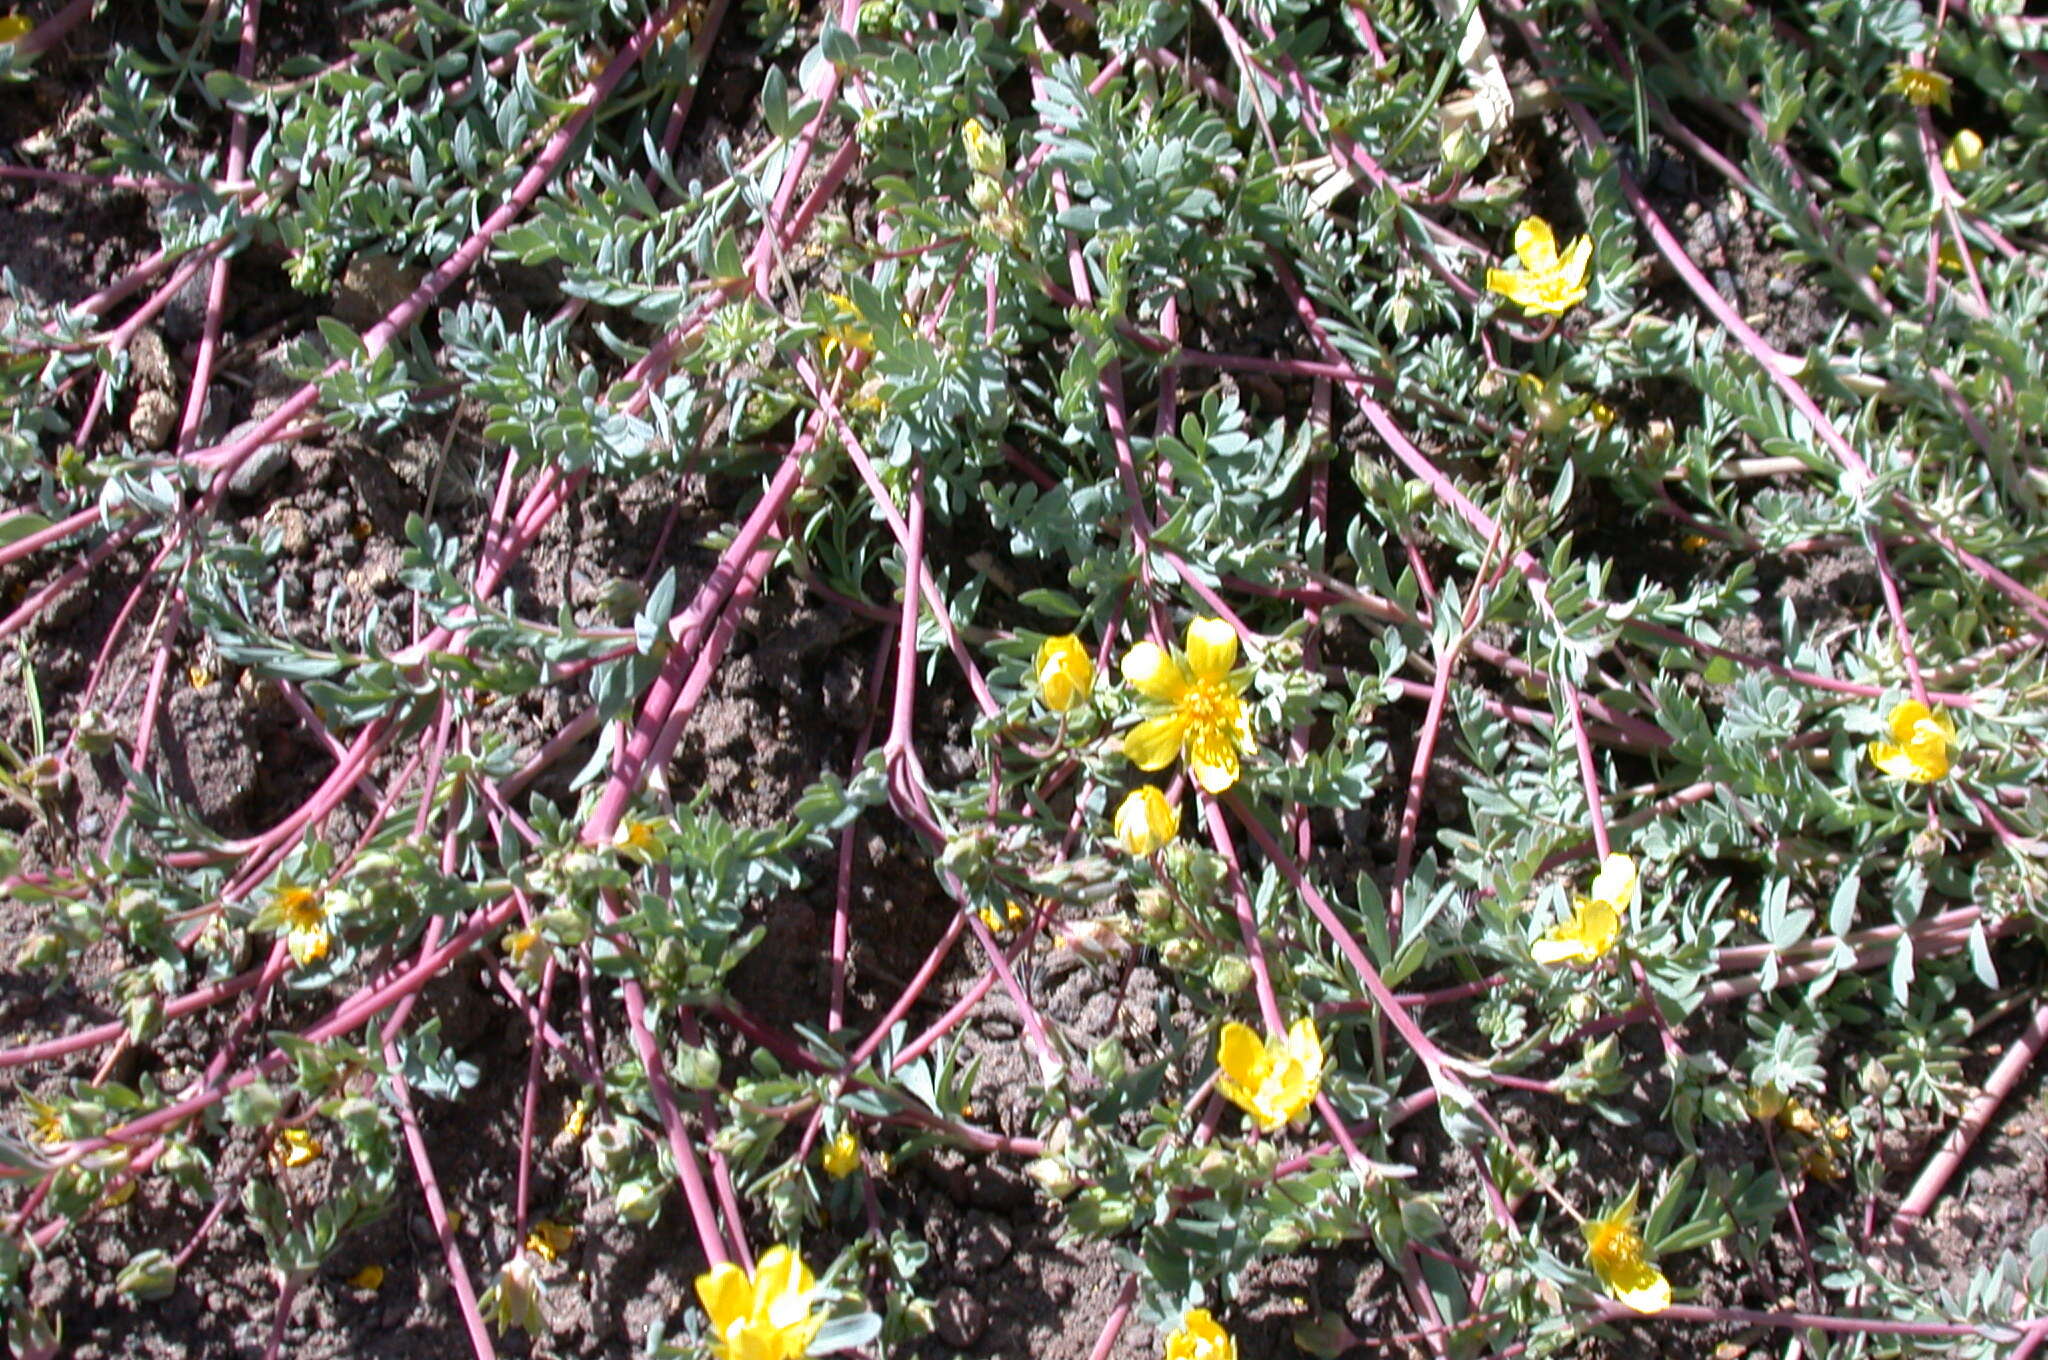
{"type": "Point", "coordinates": [370, 287]}
{"type": "Point", "coordinates": [960, 1318]}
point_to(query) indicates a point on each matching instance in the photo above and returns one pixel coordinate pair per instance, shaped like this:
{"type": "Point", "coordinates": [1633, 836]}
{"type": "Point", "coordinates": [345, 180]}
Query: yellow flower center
{"type": "Point", "coordinates": [301, 908]}
{"type": "Point", "coordinates": [1616, 1249]}
{"type": "Point", "coordinates": [1209, 704]}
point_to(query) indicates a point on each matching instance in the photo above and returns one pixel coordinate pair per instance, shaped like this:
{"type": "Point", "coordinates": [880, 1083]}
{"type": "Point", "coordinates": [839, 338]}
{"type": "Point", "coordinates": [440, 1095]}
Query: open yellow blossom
{"type": "Point", "coordinates": [1547, 284]}
{"type": "Point", "coordinates": [1204, 721]}
{"type": "Point", "coordinates": [294, 1148]}
{"type": "Point", "coordinates": [519, 944]}
{"type": "Point", "coordinates": [1200, 1337]}
{"type": "Point", "coordinates": [1064, 672]}
{"type": "Point", "coordinates": [763, 1316]}
{"type": "Point", "coordinates": [1965, 152]}
{"type": "Point", "coordinates": [1614, 1249]}
{"type": "Point", "coordinates": [636, 840]}
{"type": "Point", "coordinates": [841, 1157]}
{"type": "Point", "coordinates": [1595, 922]}
{"type": "Point", "coordinates": [302, 915]}
{"type": "Point", "coordinates": [1920, 87]}
{"type": "Point", "coordinates": [46, 1123]}
{"type": "Point", "coordinates": [1273, 1081]}
{"type": "Point", "coordinates": [847, 335]}
{"type": "Point", "coordinates": [1145, 821]}
{"type": "Point", "coordinates": [1918, 750]}
{"type": "Point", "coordinates": [550, 1239]}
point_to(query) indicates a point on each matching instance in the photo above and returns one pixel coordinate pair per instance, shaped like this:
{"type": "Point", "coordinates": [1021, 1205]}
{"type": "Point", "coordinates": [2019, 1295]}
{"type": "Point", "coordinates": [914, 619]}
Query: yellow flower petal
{"type": "Point", "coordinates": [1212, 759]}
{"type": "Point", "coordinates": [1150, 671]}
{"type": "Point", "coordinates": [1239, 1052]}
{"type": "Point", "coordinates": [725, 1293]}
{"type": "Point", "coordinates": [1536, 245]}
{"type": "Point", "coordinates": [549, 1239]}
{"type": "Point", "coordinates": [1212, 648]}
{"type": "Point", "coordinates": [1154, 743]}
{"type": "Point", "coordinates": [1642, 1287]}
{"type": "Point", "coordinates": [1616, 883]}
{"type": "Point", "coordinates": [1304, 1045]}
{"type": "Point", "coordinates": [1200, 1337]}
{"type": "Point", "coordinates": [14, 27]}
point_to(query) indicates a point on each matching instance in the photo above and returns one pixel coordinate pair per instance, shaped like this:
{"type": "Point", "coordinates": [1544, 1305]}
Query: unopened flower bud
{"type": "Point", "coordinates": [1230, 975]}
{"type": "Point", "coordinates": [1052, 1176]}
{"type": "Point", "coordinates": [638, 1202]}
{"type": "Point", "coordinates": [151, 1275]}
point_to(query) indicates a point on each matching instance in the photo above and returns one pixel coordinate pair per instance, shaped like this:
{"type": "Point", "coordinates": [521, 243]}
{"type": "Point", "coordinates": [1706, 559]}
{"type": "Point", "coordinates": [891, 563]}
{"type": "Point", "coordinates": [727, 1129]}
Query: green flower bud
{"type": "Point", "coordinates": [698, 1068]}
{"type": "Point", "coordinates": [255, 1105]}
{"type": "Point", "coordinates": [1230, 975]}
{"type": "Point", "coordinates": [151, 1275]}
{"type": "Point", "coordinates": [638, 1201]}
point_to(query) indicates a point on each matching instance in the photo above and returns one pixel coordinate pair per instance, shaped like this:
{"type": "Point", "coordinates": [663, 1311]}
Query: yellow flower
{"type": "Point", "coordinates": [841, 1157]}
{"type": "Point", "coordinates": [1595, 923]}
{"type": "Point", "coordinates": [579, 1118]}
{"type": "Point", "coordinates": [370, 1278]}
{"type": "Point", "coordinates": [1920, 87]}
{"type": "Point", "coordinates": [1200, 1337]}
{"type": "Point", "coordinates": [294, 1148]}
{"type": "Point", "coordinates": [1064, 672]}
{"type": "Point", "coordinates": [1011, 916]}
{"type": "Point", "coordinates": [520, 943]}
{"type": "Point", "coordinates": [1273, 1081]}
{"type": "Point", "coordinates": [550, 1239]}
{"type": "Point", "coordinates": [1965, 152]}
{"type": "Point", "coordinates": [302, 914]}
{"type": "Point", "coordinates": [846, 335]}
{"type": "Point", "coordinates": [636, 840]}
{"type": "Point", "coordinates": [763, 1316]}
{"type": "Point", "coordinates": [1918, 750]}
{"type": "Point", "coordinates": [984, 149]}
{"type": "Point", "coordinates": [1145, 821]}
{"type": "Point", "coordinates": [1614, 1249]}
{"type": "Point", "coordinates": [1205, 722]}
{"type": "Point", "coordinates": [1546, 284]}
{"type": "Point", "coordinates": [46, 1127]}
{"type": "Point", "coordinates": [518, 1299]}
{"type": "Point", "coordinates": [13, 27]}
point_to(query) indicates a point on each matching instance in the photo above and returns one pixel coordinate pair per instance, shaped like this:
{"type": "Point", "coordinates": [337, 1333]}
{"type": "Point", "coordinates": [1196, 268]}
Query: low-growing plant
{"type": "Point", "coordinates": [1373, 477]}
